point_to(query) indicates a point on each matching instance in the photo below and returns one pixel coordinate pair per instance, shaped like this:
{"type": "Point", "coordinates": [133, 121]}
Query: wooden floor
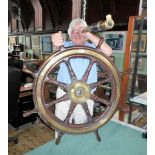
{"type": "Point", "coordinates": [30, 137]}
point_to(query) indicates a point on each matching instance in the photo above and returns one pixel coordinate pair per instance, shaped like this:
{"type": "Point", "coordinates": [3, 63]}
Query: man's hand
{"type": "Point", "coordinates": [57, 39]}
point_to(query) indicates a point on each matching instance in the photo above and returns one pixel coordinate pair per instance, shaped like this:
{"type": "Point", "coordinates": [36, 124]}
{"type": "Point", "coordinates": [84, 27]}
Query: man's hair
{"type": "Point", "coordinates": [75, 22]}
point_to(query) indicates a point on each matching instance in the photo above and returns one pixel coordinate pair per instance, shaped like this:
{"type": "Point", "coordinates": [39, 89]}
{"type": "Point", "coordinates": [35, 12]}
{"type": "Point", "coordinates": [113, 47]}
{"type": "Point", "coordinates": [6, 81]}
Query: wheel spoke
{"type": "Point", "coordinates": [106, 87]}
{"type": "Point", "coordinates": [94, 85]}
{"type": "Point", "coordinates": [57, 83]}
{"type": "Point", "coordinates": [70, 69]}
{"type": "Point", "coordinates": [71, 109]}
{"type": "Point", "coordinates": [87, 72]}
{"type": "Point", "coordinates": [85, 107]}
{"type": "Point", "coordinates": [98, 99]}
{"type": "Point", "coordinates": [63, 98]}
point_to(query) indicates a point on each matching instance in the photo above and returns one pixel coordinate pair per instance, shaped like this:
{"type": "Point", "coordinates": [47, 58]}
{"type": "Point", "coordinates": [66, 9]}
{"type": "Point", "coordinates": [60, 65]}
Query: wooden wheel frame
{"type": "Point", "coordinates": [78, 91]}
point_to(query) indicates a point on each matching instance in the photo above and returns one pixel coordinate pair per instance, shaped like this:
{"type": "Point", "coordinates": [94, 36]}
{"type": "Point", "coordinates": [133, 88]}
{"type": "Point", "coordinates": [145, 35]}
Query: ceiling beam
{"type": "Point", "coordinates": [38, 15]}
{"type": "Point", "coordinates": [76, 8]}
{"type": "Point", "coordinates": [54, 13]}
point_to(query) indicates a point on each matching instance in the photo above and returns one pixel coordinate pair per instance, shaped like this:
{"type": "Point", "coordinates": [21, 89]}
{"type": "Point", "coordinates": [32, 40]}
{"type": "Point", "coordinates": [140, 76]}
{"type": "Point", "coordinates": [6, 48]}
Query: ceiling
{"type": "Point", "coordinates": [56, 14]}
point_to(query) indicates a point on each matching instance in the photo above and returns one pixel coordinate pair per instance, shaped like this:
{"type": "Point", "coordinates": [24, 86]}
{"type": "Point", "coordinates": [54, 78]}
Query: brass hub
{"type": "Point", "coordinates": [79, 92]}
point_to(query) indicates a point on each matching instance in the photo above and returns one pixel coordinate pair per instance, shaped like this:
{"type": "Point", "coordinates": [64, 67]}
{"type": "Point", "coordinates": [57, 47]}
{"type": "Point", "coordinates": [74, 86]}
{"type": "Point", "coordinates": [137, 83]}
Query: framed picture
{"type": "Point", "coordinates": [12, 40]}
{"type": "Point", "coordinates": [116, 40]}
{"type": "Point", "coordinates": [21, 39]}
{"type": "Point", "coordinates": [29, 54]}
{"type": "Point", "coordinates": [28, 42]}
{"type": "Point", "coordinates": [142, 42]}
{"type": "Point", "coordinates": [46, 44]}
{"type": "Point", "coordinates": [37, 54]}
{"type": "Point", "coordinates": [140, 65]}
{"type": "Point", "coordinates": [36, 46]}
{"type": "Point", "coordinates": [35, 39]}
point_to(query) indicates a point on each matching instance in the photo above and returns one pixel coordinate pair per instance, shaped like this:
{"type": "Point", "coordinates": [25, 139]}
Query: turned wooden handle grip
{"type": "Point", "coordinates": [29, 112]}
{"type": "Point", "coordinates": [25, 70]}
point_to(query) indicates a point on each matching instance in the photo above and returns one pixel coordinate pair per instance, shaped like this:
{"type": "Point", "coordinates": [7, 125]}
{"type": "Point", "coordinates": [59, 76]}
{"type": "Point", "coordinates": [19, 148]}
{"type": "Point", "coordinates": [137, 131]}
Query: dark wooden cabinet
{"type": "Point", "coordinates": [24, 104]}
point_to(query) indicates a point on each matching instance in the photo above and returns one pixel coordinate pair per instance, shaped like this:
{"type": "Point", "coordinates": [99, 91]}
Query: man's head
{"type": "Point", "coordinates": [75, 31]}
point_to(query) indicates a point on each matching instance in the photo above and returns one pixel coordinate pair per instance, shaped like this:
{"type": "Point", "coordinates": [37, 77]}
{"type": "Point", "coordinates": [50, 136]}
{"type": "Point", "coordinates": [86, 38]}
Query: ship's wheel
{"type": "Point", "coordinates": [78, 91]}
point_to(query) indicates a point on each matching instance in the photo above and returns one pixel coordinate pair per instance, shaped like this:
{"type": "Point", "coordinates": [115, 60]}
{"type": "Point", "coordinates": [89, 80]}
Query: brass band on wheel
{"type": "Point", "coordinates": [79, 91]}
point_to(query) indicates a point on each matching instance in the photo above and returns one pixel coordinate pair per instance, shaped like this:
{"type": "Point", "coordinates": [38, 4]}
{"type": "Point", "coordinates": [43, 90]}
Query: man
{"type": "Point", "coordinates": [79, 65]}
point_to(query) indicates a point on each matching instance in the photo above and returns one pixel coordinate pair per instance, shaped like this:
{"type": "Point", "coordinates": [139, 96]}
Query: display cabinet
{"type": "Point", "coordinates": [137, 82]}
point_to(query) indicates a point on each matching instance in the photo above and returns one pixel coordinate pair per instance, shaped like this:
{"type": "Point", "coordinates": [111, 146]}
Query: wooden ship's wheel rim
{"type": "Point", "coordinates": [78, 91]}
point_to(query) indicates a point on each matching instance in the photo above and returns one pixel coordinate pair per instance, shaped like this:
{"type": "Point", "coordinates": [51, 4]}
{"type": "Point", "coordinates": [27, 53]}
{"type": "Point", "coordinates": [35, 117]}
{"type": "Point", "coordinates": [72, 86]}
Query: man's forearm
{"type": "Point", "coordinates": [104, 47]}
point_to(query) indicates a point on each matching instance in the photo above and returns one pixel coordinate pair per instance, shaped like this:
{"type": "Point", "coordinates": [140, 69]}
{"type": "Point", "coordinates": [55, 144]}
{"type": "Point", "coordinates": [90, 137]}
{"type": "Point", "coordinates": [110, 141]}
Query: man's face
{"type": "Point", "coordinates": [77, 36]}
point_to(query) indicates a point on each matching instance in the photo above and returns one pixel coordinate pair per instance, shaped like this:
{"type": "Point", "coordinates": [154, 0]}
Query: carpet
{"type": "Point", "coordinates": [117, 139]}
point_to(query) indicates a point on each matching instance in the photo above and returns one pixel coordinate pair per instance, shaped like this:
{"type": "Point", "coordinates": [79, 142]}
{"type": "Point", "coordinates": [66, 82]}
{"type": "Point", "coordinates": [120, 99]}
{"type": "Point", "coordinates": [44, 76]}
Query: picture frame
{"type": "Point", "coordinates": [35, 40]}
{"type": "Point", "coordinates": [12, 40]}
{"type": "Point", "coordinates": [46, 44]}
{"type": "Point", "coordinates": [140, 63]}
{"type": "Point", "coordinates": [36, 46]}
{"type": "Point", "coordinates": [28, 42]}
{"type": "Point", "coordinates": [116, 40]}
{"type": "Point", "coordinates": [21, 40]}
{"type": "Point", "coordinates": [142, 43]}
{"type": "Point", "coordinates": [29, 54]}
{"type": "Point", "coordinates": [37, 54]}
